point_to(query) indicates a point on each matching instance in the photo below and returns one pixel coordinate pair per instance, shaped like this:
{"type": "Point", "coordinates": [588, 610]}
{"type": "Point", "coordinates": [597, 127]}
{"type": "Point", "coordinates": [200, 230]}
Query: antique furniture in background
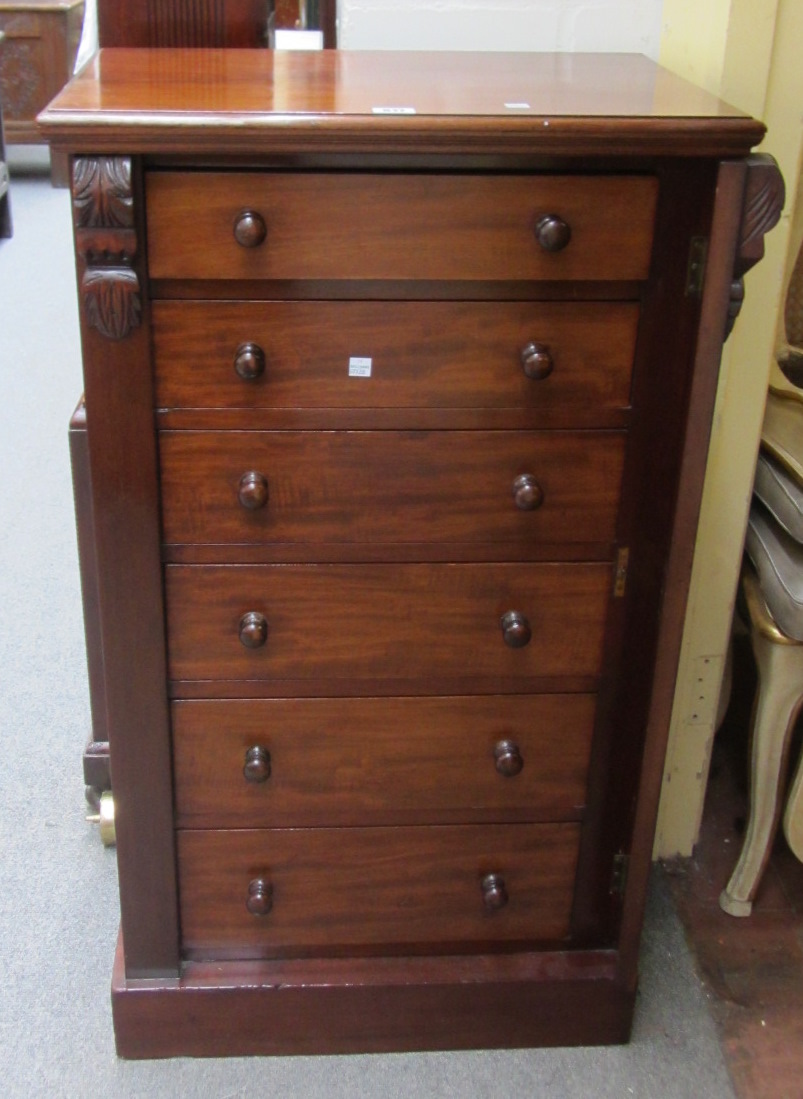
{"type": "Point", "coordinates": [5, 201]}
{"type": "Point", "coordinates": [772, 585]}
{"type": "Point", "coordinates": [400, 370]}
{"type": "Point", "coordinates": [200, 23]}
{"type": "Point", "coordinates": [35, 62]}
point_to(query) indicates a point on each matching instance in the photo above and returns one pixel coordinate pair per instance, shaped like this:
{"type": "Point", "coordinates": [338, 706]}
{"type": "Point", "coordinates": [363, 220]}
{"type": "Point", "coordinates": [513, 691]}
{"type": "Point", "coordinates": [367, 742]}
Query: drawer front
{"type": "Point", "coordinates": [397, 226]}
{"type": "Point", "coordinates": [385, 621]}
{"type": "Point", "coordinates": [390, 486]}
{"type": "Point", "coordinates": [325, 761]}
{"type": "Point", "coordinates": [423, 354]}
{"type": "Point", "coordinates": [352, 888]}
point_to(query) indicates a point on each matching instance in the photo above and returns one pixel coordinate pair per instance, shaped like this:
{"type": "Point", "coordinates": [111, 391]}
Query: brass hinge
{"type": "Point", "coordinates": [620, 576]}
{"type": "Point", "coordinates": [619, 873]}
{"type": "Point", "coordinates": [695, 272]}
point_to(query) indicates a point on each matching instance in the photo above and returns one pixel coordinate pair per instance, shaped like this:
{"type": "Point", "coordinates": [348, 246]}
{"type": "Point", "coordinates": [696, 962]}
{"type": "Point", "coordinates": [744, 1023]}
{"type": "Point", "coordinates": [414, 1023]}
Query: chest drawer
{"type": "Point", "coordinates": [390, 486]}
{"type": "Point", "coordinates": [297, 354]}
{"type": "Point", "coordinates": [358, 226]}
{"type": "Point", "coordinates": [301, 762]}
{"type": "Point", "coordinates": [370, 888]}
{"type": "Point", "coordinates": [318, 621]}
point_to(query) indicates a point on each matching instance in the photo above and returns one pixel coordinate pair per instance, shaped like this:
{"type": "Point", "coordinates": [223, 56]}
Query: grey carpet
{"type": "Point", "coordinates": [58, 902]}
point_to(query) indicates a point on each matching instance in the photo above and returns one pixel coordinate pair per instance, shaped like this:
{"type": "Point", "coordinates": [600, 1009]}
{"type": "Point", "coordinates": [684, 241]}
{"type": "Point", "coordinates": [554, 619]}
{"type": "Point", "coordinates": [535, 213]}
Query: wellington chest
{"type": "Point", "coordinates": [399, 375]}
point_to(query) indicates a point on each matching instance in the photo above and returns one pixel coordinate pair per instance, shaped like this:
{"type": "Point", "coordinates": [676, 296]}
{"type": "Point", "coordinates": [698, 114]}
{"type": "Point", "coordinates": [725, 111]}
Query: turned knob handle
{"type": "Point", "coordinates": [250, 229]}
{"type": "Point", "coordinates": [260, 897]}
{"type": "Point", "coordinates": [253, 630]}
{"type": "Point", "coordinates": [249, 361]}
{"type": "Point", "coordinates": [253, 490]}
{"type": "Point", "coordinates": [537, 361]}
{"type": "Point", "coordinates": [552, 233]}
{"type": "Point", "coordinates": [508, 758]}
{"type": "Point", "coordinates": [257, 764]}
{"type": "Point", "coordinates": [516, 629]}
{"type": "Point", "coordinates": [527, 493]}
{"type": "Point", "coordinates": [494, 893]}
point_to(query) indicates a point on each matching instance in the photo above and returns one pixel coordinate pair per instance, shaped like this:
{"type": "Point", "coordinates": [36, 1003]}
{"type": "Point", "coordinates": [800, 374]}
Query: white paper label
{"type": "Point", "coordinates": [517, 106]}
{"type": "Point", "coordinates": [360, 368]}
{"type": "Point", "coordinates": [393, 110]}
{"type": "Point", "coordinates": [298, 40]}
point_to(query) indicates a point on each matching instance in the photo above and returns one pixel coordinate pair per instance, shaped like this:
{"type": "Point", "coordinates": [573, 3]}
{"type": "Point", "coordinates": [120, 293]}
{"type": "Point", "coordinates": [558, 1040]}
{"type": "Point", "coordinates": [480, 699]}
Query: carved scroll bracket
{"type": "Point", "coordinates": [106, 240]}
{"type": "Point", "coordinates": [764, 198]}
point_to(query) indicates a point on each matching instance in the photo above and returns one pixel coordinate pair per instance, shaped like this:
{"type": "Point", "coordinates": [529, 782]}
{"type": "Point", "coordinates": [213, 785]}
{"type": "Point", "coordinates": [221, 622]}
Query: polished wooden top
{"type": "Point", "coordinates": [260, 100]}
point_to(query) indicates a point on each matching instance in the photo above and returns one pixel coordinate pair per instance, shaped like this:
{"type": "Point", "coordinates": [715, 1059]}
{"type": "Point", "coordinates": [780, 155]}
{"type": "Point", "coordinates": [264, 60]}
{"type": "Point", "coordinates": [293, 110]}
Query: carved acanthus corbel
{"type": "Point", "coordinates": [763, 202]}
{"type": "Point", "coordinates": [106, 240]}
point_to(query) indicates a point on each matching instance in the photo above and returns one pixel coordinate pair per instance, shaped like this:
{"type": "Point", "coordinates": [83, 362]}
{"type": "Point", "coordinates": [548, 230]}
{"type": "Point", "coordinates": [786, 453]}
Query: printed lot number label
{"type": "Point", "coordinates": [360, 367]}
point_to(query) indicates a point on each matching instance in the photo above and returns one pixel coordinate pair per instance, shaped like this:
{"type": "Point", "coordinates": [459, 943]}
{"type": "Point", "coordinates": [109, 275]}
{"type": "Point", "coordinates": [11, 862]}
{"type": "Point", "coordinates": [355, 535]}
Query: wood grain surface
{"type": "Point", "coordinates": [375, 486]}
{"type": "Point", "coordinates": [359, 1005]}
{"type": "Point", "coordinates": [380, 888]}
{"type": "Point", "coordinates": [380, 761]}
{"type": "Point", "coordinates": [380, 621]}
{"type": "Point", "coordinates": [424, 354]}
{"type": "Point", "coordinates": [254, 103]}
{"type": "Point", "coordinates": [341, 225]}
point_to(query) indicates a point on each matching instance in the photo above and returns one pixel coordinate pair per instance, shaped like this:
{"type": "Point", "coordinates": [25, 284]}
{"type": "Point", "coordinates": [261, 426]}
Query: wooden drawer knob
{"type": "Point", "coordinates": [537, 361]}
{"type": "Point", "coordinates": [253, 490]}
{"type": "Point", "coordinates": [250, 229]}
{"type": "Point", "coordinates": [494, 893]}
{"type": "Point", "coordinates": [552, 233]}
{"type": "Point", "coordinates": [253, 630]}
{"type": "Point", "coordinates": [516, 630]}
{"type": "Point", "coordinates": [260, 897]}
{"type": "Point", "coordinates": [527, 493]}
{"type": "Point", "coordinates": [257, 764]}
{"type": "Point", "coordinates": [508, 758]}
{"type": "Point", "coordinates": [249, 361]}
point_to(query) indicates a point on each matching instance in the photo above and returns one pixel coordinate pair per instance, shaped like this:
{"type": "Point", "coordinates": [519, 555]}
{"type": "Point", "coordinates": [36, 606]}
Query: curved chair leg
{"type": "Point", "coordinates": [793, 817]}
{"type": "Point", "coordinates": [780, 670]}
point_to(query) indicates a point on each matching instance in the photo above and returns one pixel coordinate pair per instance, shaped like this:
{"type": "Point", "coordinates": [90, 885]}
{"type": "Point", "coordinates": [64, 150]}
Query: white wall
{"type": "Point", "coordinates": [630, 26]}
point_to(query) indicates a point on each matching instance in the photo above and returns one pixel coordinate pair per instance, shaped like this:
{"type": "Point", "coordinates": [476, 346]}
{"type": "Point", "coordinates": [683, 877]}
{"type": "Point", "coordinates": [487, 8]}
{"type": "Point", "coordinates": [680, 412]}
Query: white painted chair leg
{"type": "Point", "coordinates": [780, 670]}
{"type": "Point", "coordinates": [793, 817]}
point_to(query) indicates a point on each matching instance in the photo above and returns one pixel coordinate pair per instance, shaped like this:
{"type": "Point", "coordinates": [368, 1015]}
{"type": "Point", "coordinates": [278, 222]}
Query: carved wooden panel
{"type": "Point", "coordinates": [111, 299]}
{"type": "Point", "coordinates": [21, 86]}
{"type": "Point", "coordinates": [102, 195]}
{"type": "Point", "coordinates": [793, 311]}
{"type": "Point", "coordinates": [763, 202]}
{"type": "Point", "coordinates": [103, 214]}
{"type": "Point", "coordinates": [764, 198]}
{"type": "Point", "coordinates": [36, 60]}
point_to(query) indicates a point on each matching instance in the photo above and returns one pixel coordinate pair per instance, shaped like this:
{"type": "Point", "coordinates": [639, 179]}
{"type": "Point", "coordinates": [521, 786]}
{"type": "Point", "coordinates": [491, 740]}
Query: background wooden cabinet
{"type": "Point", "coordinates": [36, 61]}
{"type": "Point", "coordinates": [5, 206]}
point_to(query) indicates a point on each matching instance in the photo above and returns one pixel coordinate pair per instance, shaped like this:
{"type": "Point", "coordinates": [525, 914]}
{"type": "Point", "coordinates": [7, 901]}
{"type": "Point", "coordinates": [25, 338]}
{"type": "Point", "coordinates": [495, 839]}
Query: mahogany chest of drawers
{"type": "Point", "coordinates": [399, 371]}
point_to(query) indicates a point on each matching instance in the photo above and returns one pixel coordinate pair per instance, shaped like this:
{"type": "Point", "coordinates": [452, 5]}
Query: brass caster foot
{"type": "Point", "coordinates": [105, 818]}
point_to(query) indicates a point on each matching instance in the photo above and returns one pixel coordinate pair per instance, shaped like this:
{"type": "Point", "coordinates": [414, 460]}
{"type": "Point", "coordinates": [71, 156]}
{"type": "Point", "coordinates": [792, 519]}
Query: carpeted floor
{"type": "Point", "coordinates": [58, 900]}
